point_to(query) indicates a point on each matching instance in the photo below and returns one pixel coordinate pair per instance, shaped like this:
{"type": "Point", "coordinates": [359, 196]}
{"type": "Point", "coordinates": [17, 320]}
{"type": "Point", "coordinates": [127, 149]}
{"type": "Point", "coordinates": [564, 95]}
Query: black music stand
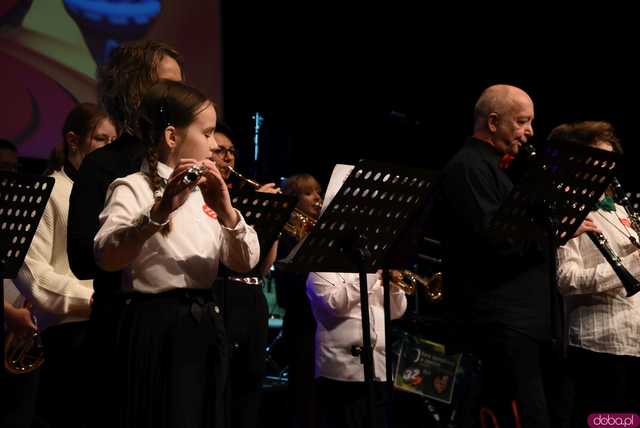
{"type": "Point", "coordinates": [359, 229]}
{"type": "Point", "coordinates": [558, 189]}
{"type": "Point", "coordinates": [22, 202]}
{"type": "Point", "coordinates": [634, 200]}
{"type": "Point", "coordinates": [267, 213]}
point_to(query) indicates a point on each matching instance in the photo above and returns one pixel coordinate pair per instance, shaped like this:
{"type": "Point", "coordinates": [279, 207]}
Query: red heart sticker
{"type": "Point", "coordinates": [208, 211]}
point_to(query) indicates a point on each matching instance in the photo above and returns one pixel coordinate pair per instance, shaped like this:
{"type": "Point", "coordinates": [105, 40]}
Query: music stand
{"type": "Point", "coordinates": [22, 202]}
{"type": "Point", "coordinates": [561, 186]}
{"type": "Point", "coordinates": [267, 213]}
{"type": "Point", "coordinates": [359, 229]}
{"type": "Point", "coordinates": [558, 190]}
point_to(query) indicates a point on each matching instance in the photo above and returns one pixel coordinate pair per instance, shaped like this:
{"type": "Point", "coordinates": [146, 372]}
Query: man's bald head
{"type": "Point", "coordinates": [503, 118]}
{"type": "Point", "coordinates": [500, 99]}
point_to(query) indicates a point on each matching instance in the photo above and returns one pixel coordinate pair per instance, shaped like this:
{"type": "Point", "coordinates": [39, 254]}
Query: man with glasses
{"type": "Point", "coordinates": [245, 309]}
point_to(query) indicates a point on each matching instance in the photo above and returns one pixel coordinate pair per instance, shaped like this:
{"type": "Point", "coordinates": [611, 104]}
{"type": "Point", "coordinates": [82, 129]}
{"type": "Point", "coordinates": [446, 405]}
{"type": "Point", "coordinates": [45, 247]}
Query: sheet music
{"type": "Point", "coordinates": [338, 177]}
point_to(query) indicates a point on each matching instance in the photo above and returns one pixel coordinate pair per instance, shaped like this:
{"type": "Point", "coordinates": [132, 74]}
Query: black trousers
{"type": "Point", "coordinates": [345, 404]}
{"type": "Point", "coordinates": [604, 383]}
{"type": "Point", "coordinates": [65, 376]}
{"type": "Point", "coordinates": [245, 317]}
{"type": "Point", "coordinates": [512, 369]}
{"type": "Point", "coordinates": [299, 330]}
{"type": "Point", "coordinates": [17, 409]}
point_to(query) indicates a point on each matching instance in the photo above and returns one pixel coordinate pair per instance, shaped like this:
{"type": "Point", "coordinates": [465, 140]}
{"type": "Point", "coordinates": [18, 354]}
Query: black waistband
{"type": "Point", "coordinates": [188, 294]}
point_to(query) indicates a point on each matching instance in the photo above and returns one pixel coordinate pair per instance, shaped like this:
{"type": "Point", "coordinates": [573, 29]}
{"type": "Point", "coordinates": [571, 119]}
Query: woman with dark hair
{"type": "Point", "coordinates": [604, 324]}
{"type": "Point", "coordinates": [61, 302]}
{"type": "Point", "coordinates": [122, 82]}
{"type": "Point", "coordinates": [86, 128]}
{"type": "Point", "coordinates": [167, 227]}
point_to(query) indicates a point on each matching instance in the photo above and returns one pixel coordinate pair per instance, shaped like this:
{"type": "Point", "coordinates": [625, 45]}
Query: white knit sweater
{"type": "Point", "coordinates": [46, 279]}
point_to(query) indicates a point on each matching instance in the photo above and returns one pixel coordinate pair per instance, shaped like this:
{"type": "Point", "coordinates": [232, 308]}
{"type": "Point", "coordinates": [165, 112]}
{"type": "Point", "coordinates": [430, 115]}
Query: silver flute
{"type": "Point", "coordinates": [193, 174]}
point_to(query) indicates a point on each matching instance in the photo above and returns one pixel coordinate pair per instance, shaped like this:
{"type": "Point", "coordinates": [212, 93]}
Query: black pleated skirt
{"type": "Point", "coordinates": [171, 358]}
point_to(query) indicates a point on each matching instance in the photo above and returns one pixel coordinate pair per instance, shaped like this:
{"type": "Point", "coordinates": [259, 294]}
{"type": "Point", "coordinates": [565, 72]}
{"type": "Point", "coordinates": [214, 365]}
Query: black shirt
{"type": "Point", "coordinates": [492, 280]}
{"type": "Point", "coordinates": [291, 289]}
{"type": "Point", "coordinates": [98, 170]}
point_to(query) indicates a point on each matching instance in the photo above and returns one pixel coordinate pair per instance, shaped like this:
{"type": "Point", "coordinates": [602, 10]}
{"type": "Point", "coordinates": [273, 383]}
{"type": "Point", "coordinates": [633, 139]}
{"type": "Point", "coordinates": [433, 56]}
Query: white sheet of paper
{"type": "Point", "coordinates": [338, 177]}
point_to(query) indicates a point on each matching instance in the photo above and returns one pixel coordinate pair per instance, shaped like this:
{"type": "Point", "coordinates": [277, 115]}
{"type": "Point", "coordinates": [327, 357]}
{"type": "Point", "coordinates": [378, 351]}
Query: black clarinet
{"type": "Point", "coordinates": [630, 284]}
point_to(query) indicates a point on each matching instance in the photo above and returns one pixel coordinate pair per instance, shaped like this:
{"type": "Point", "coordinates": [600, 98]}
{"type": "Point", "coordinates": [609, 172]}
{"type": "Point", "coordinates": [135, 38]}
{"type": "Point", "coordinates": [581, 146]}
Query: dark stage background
{"type": "Point", "coordinates": [338, 82]}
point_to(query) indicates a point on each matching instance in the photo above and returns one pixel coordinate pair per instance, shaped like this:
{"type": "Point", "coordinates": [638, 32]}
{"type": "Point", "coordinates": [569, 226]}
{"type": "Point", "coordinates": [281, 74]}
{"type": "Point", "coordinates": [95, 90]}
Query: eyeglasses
{"type": "Point", "coordinates": [223, 151]}
{"type": "Point", "coordinates": [101, 138]}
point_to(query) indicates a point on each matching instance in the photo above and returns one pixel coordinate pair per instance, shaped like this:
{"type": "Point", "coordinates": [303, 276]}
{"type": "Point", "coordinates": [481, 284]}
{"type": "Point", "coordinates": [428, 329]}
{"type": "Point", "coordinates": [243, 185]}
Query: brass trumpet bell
{"type": "Point", "coordinates": [411, 281]}
{"type": "Point", "coordinates": [22, 354]}
{"type": "Point", "coordinates": [299, 224]}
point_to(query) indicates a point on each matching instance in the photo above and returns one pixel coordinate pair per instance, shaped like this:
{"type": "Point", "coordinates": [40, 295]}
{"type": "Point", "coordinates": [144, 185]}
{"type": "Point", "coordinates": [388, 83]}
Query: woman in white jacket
{"type": "Point", "coordinates": [60, 301]}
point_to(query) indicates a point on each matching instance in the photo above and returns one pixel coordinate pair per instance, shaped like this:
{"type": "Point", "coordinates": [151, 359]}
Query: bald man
{"type": "Point", "coordinates": [499, 289]}
{"type": "Point", "coordinates": [503, 118]}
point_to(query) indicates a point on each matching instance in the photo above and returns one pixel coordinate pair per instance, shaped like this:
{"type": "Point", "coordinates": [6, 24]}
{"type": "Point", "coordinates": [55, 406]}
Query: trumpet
{"type": "Point", "coordinates": [298, 225]}
{"type": "Point", "coordinates": [23, 353]}
{"type": "Point", "coordinates": [410, 281]}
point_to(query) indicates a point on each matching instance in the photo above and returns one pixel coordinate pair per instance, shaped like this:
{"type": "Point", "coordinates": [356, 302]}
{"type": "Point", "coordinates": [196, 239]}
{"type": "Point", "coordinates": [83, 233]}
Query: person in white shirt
{"type": "Point", "coordinates": [604, 324]}
{"type": "Point", "coordinates": [60, 301]}
{"type": "Point", "coordinates": [335, 303]}
{"type": "Point", "coordinates": [168, 230]}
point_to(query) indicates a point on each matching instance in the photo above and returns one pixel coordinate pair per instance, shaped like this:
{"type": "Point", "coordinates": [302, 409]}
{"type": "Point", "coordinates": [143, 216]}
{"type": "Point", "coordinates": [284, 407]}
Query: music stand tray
{"type": "Point", "coordinates": [378, 202]}
{"type": "Point", "coordinates": [23, 199]}
{"type": "Point", "coordinates": [22, 202]}
{"type": "Point", "coordinates": [557, 190]}
{"type": "Point", "coordinates": [267, 213]}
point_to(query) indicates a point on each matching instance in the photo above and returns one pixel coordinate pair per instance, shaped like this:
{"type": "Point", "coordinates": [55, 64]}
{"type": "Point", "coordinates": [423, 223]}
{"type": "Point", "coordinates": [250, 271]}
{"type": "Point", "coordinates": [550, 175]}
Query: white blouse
{"type": "Point", "coordinates": [601, 317]}
{"type": "Point", "coordinates": [188, 256]}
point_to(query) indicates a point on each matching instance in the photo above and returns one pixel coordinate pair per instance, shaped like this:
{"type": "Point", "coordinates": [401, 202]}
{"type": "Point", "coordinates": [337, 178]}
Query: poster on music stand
{"type": "Point", "coordinates": [425, 369]}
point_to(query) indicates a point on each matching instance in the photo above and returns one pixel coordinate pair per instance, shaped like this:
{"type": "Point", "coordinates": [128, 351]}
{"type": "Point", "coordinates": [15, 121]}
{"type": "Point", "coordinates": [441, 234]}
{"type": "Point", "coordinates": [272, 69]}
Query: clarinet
{"type": "Point", "coordinates": [630, 284]}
